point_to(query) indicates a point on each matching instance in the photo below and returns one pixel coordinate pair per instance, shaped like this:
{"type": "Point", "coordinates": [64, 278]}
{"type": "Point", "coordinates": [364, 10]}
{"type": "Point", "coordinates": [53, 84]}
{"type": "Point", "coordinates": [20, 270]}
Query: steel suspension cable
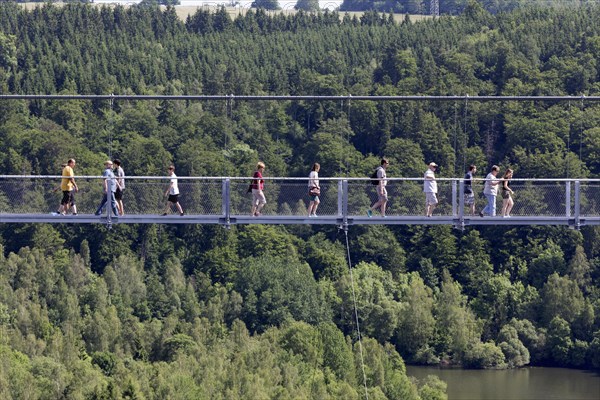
{"type": "Point", "coordinates": [569, 141]}
{"type": "Point", "coordinates": [362, 360]}
{"type": "Point", "coordinates": [111, 126]}
{"type": "Point", "coordinates": [581, 129]}
{"type": "Point", "coordinates": [466, 134]}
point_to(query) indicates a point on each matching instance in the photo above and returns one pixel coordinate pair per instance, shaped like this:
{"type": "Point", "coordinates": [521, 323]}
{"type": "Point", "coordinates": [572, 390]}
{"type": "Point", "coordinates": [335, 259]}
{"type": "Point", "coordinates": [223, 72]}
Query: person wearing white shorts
{"type": "Point", "coordinates": [430, 189]}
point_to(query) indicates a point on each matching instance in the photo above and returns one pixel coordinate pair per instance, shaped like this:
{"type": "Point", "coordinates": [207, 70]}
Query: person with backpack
{"type": "Point", "coordinates": [379, 178]}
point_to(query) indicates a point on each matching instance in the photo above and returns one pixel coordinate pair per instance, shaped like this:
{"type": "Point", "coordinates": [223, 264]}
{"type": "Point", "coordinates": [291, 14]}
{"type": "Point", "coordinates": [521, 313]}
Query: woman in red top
{"type": "Point", "coordinates": [258, 184]}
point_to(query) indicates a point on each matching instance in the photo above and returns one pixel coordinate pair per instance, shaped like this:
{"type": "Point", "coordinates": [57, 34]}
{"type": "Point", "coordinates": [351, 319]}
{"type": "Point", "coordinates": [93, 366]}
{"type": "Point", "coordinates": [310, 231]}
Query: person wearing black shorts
{"type": "Point", "coordinates": [68, 187]}
{"type": "Point", "coordinates": [120, 175]}
{"type": "Point", "coordinates": [173, 193]}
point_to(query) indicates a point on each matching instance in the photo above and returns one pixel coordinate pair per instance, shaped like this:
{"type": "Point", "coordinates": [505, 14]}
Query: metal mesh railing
{"type": "Point", "coordinates": [212, 196]}
{"type": "Point", "coordinates": [284, 197]}
{"type": "Point", "coordinates": [590, 199]}
{"type": "Point", "coordinates": [532, 199]}
{"type": "Point", "coordinates": [405, 198]}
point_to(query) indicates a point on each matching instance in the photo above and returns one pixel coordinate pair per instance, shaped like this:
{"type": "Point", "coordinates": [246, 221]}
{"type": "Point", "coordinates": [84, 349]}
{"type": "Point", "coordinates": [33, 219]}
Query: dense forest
{"type": "Point", "coordinates": [258, 311]}
{"type": "Point", "coordinates": [451, 7]}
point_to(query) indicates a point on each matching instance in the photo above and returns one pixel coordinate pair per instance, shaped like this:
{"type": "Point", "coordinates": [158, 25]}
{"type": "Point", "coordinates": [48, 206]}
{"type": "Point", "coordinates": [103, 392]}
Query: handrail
{"type": "Point", "coordinates": [344, 201]}
{"type": "Point", "coordinates": [296, 178]}
{"type": "Point", "coordinates": [348, 97]}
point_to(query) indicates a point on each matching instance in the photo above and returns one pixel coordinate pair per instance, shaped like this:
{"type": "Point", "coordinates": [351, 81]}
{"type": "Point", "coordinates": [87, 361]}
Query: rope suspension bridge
{"type": "Point", "coordinates": [344, 202]}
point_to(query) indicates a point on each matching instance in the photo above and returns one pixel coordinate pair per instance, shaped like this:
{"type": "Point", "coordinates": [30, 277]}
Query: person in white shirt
{"type": "Point", "coordinates": [173, 193]}
{"type": "Point", "coordinates": [430, 189]}
{"type": "Point", "coordinates": [382, 195]}
{"type": "Point", "coordinates": [314, 190]}
{"type": "Point", "coordinates": [490, 190]}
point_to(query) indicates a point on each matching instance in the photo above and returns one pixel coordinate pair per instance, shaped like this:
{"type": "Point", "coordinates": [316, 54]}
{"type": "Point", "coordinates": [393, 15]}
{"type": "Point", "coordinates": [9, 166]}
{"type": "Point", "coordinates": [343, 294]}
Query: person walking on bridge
{"type": "Point", "coordinates": [382, 195]}
{"type": "Point", "coordinates": [468, 185]}
{"type": "Point", "coordinates": [109, 184]}
{"type": "Point", "coordinates": [490, 190]}
{"type": "Point", "coordinates": [68, 187]}
{"type": "Point", "coordinates": [120, 174]}
{"type": "Point", "coordinates": [173, 193]}
{"type": "Point", "coordinates": [258, 185]}
{"type": "Point", "coordinates": [507, 193]}
{"type": "Point", "coordinates": [430, 188]}
{"type": "Point", "coordinates": [314, 190]}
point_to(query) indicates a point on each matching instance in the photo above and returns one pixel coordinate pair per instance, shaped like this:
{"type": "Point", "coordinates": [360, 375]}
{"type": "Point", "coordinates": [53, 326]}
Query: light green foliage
{"type": "Point", "coordinates": [15, 374]}
{"type": "Point", "coordinates": [559, 342]}
{"type": "Point", "coordinates": [406, 158]}
{"type": "Point", "coordinates": [276, 289]}
{"type": "Point", "coordinates": [376, 298]}
{"type": "Point", "coordinates": [533, 339]}
{"type": "Point", "coordinates": [416, 323]}
{"type": "Point", "coordinates": [337, 353]}
{"type": "Point", "coordinates": [433, 388]}
{"type": "Point", "coordinates": [561, 298]}
{"type": "Point", "coordinates": [384, 368]}
{"type": "Point", "coordinates": [457, 327]}
{"type": "Point", "coordinates": [484, 355]}
{"type": "Point", "coordinates": [263, 240]}
{"type": "Point", "coordinates": [145, 156]}
{"type": "Point", "coordinates": [515, 352]}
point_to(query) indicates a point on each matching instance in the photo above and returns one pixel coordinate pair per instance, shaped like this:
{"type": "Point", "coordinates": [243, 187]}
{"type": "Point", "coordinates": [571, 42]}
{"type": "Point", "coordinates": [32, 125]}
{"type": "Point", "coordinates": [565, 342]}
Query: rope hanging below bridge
{"type": "Point", "coordinates": [362, 361]}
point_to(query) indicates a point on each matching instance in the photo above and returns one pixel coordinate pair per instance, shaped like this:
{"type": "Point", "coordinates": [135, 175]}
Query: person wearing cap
{"type": "Point", "coordinates": [490, 190]}
{"type": "Point", "coordinates": [430, 189]}
{"type": "Point", "coordinates": [109, 184]}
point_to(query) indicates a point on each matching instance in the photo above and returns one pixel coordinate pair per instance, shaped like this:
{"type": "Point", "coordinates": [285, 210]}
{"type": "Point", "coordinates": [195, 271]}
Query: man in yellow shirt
{"type": "Point", "coordinates": [68, 187]}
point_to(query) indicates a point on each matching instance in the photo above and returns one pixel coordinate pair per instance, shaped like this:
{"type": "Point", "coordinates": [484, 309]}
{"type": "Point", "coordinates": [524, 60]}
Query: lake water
{"type": "Point", "coordinates": [515, 384]}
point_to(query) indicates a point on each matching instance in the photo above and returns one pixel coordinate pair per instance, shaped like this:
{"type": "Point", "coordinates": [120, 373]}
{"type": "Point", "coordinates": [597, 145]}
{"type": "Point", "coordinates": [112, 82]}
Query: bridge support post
{"type": "Point", "coordinates": [461, 204]}
{"type": "Point", "coordinates": [577, 208]}
{"type": "Point", "coordinates": [340, 199]}
{"type": "Point", "coordinates": [226, 202]}
{"type": "Point", "coordinates": [343, 204]}
{"type": "Point", "coordinates": [568, 199]}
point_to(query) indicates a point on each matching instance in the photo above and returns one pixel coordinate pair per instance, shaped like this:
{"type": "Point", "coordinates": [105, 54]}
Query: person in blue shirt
{"type": "Point", "coordinates": [110, 185]}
